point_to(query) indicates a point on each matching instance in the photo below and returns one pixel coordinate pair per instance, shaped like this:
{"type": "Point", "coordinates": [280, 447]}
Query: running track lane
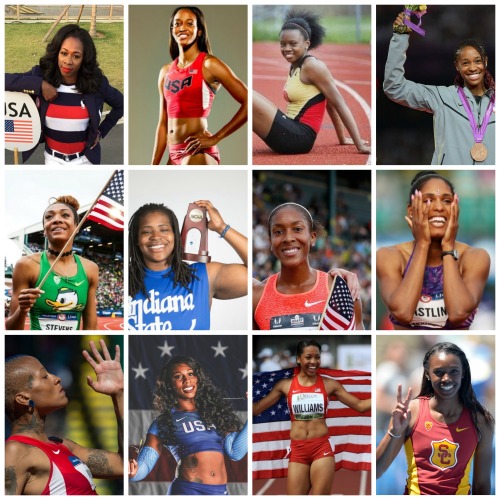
{"type": "Point", "coordinates": [350, 66]}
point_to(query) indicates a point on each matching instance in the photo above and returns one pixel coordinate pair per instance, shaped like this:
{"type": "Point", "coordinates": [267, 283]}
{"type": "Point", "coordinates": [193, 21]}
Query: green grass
{"type": "Point", "coordinates": [24, 47]}
{"type": "Point", "coordinates": [339, 29]}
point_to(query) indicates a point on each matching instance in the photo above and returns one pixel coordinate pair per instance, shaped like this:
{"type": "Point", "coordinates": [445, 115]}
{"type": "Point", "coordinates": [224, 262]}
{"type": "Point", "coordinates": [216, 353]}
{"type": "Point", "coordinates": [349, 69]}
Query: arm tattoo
{"type": "Point", "coordinates": [98, 463]}
{"type": "Point", "coordinates": [10, 480]}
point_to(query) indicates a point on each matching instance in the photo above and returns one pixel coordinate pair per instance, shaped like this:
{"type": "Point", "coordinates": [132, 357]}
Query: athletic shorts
{"type": "Point", "coordinates": [306, 451]}
{"type": "Point", "coordinates": [290, 137]}
{"type": "Point", "coordinates": [181, 487]}
{"type": "Point", "coordinates": [176, 153]}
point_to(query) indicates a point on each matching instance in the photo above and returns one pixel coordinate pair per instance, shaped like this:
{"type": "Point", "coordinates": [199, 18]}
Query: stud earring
{"type": "Point", "coordinates": [31, 403]}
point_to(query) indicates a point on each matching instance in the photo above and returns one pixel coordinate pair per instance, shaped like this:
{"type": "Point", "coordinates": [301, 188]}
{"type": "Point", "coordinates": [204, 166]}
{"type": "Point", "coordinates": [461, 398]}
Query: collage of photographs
{"type": "Point", "coordinates": [200, 186]}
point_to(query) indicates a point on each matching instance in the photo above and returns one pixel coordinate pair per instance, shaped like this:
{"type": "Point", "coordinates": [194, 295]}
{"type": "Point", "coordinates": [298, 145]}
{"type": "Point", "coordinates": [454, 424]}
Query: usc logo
{"type": "Point", "coordinates": [444, 454]}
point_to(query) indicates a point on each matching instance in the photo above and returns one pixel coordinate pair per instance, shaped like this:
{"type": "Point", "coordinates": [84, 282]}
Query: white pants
{"type": "Point", "coordinates": [53, 161]}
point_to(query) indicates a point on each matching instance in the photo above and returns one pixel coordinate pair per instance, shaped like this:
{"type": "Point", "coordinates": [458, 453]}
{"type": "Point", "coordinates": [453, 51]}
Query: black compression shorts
{"type": "Point", "coordinates": [288, 136]}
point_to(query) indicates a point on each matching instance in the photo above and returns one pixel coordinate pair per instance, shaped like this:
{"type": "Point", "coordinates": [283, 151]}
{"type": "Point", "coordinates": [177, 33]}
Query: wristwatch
{"type": "Point", "coordinates": [453, 253]}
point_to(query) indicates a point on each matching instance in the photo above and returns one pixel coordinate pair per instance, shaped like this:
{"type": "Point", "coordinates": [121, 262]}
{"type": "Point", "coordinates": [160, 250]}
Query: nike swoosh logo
{"type": "Point", "coordinates": [310, 304]}
{"type": "Point", "coordinates": [327, 453]}
{"type": "Point", "coordinates": [179, 419]}
{"type": "Point", "coordinates": [298, 390]}
{"type": "Point", "coordinates": [460, 430]}
{"type": "Point", "coordinates": [80, 283]}
{"type": "Point", "coordinates": [56, 452]}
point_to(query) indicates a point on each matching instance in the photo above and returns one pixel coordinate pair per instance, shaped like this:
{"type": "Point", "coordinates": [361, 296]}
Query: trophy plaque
{"type": "Point", "coordinates": [194, 235]}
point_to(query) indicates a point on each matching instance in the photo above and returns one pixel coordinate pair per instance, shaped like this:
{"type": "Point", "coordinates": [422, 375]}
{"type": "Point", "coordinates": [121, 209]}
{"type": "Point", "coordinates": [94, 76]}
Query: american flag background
{"type": "Point", "coordinates": [18, 131]}
{"type": "Point", "coordinates": [224, 359]}
{"type": "Point", "coordinates": [339, 311]}
{"type": "Point", "coordinates": [108, 210]}
{"type": "Point", "coordinates": [271, 429]}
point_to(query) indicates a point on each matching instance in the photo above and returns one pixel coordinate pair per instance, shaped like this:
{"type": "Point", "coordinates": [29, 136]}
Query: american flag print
{"type": "Point", "coordinates": [339, 311]}
{"type": "Point", "coordinates": [18, 131]}
{"type": "Point", "coordinates": [350, 429]}
{"type": "Point", "coordinates": [108, 210]}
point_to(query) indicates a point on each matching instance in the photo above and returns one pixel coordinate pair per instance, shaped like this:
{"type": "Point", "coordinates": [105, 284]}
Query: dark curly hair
{"type": "Point", "coordinates": [202, 40]}
{"type": "Point", "coordinates": [421, 178]}
{"type": "Point", "coordinates": [183, 274]}
{"type": "Point", "coordinates": [489, 82]}
{"type": "Point", "coordinates": [466, 392]}
{"type": "Point", "coordinates": [89, 75]}
{"type": "Point", "coordinates": [308, 24]}
{"type": "Point", "coordinates": [209, 400]}
{"type": "Point", "coordinates": [314, 226]}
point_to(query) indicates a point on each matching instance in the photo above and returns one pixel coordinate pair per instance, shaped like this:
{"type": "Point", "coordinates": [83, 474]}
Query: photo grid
{"type": "Point", "coordinates": [197, 185]}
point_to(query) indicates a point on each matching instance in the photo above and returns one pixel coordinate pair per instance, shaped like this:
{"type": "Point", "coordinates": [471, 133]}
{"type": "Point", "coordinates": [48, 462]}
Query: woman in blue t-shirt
{"type": "Point", "coordinates": [167, 293]}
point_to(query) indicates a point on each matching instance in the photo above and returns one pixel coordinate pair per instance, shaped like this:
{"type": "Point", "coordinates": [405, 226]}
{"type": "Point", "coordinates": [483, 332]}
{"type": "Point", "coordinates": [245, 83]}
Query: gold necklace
{"type": "Point", "coordinates": [186, 63]}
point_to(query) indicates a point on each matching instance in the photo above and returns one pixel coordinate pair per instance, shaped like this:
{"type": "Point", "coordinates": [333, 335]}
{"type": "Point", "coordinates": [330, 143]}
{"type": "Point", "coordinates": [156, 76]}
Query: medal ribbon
{"type": "Point", "coordinates": [414, 26]}
{"type": "Point", "coordinates": [476, 130]}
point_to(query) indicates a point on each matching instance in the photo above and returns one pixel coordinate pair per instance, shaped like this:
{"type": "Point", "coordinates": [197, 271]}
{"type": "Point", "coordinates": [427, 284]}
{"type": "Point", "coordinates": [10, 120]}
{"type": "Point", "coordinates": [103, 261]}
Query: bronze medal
{"type": "Point", "coordinates": [479, 152]}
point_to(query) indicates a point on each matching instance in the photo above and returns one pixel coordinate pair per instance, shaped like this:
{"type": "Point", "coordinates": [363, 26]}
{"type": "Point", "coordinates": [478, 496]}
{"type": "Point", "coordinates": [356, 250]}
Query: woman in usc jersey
{"type": "Point", "coordinates": [297, 289]}
{"type": "Point", "coordinates": [66, 299]}
{"type": "Point", "coordinates": [197, 425]}
{"type": "Point", "coordinates": [310, 89]}
{"type": "Point", "coordinates": [70, 90]}
{"type": "Point", "coordinates": [167, 293]}
{"type": "Point", "coordinates": [433, 281]}
{"type": "Point", "coordinates": [187, 87]}
{"type": "Point", "coordinates": [442, 430]}
{"type": "Point", "coordinates": [311, 465]}
{"type": "Point", "coordinates": [36, 464]}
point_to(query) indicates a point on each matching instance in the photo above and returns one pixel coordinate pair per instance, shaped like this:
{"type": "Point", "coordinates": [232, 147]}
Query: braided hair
{"type": "Point", "coordinates": [489, 82]}
{"type": "Point", "coordinates": [181, 272]}
{"type": "Point", "coordinates": [308, 24]}
{"type": "Point", "coordinates": [466, 392]}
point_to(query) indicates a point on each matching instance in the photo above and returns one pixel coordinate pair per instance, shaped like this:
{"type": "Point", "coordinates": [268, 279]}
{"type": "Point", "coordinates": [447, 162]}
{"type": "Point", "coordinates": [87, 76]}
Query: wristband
{"type": "Point", "coordinates": [393, 435]}
{"type": "Point", "coordinates": [226, 229]}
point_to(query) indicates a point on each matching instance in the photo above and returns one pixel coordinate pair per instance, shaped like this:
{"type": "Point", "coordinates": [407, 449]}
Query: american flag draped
{"type": "Point", "coordinates": [224, 360]}
{"type": "Point", "coordinates": [339, 311]}
{"type": "Point", "coordinates": [271, 429]}
{"type": "Point", "coordinates": [18, 131]}
{"type": "Point", "coordinates": [108, 210]}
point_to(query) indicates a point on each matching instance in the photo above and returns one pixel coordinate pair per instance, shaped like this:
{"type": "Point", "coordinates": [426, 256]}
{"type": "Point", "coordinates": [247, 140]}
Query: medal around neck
{"type": "Point", "coordinates": [479, 152]}
{"type": "Point", "coordinates": [194, 235]}
{"type": "Point", "coordinates": [416, 11]}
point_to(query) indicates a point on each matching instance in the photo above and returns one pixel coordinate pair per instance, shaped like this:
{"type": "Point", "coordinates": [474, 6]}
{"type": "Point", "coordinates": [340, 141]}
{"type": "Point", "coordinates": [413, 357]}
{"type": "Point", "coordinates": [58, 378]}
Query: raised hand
{"type": "Point", "coordinates": [450, 235]}
{"type": "Point", "coordinates": [216, 222]}
{"type": "Point", "coordinates": [419, 220]}
{"type": "Point", "coordinates": [401, 414]}
{"type": "Point", "coordinates": [108, 371]}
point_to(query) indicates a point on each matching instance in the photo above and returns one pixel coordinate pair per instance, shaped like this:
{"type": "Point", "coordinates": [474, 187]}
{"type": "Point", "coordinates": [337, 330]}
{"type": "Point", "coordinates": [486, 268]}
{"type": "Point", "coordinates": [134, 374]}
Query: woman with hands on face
{"type": "Point", "coordinates": [168, 293]}
{"type": "Point", "coordinates": [433, 281]}
{"type": "Point", "coordinates": [187, 87]}
{"type": "Point", "coordinates": [442, 430]}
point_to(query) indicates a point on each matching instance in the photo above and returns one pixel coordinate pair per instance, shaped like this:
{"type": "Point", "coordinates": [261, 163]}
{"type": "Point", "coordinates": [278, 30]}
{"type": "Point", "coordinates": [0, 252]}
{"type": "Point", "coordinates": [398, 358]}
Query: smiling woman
{"type": "Point", "coordinates": [66, 299]}
{"type": "Point", "coordinates": [434, 281]}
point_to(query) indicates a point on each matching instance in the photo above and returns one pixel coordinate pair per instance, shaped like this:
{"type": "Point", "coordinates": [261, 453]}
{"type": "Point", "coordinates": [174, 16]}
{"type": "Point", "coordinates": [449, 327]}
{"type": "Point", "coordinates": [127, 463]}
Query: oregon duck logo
{"type": "Point", "coordinates": [66, 300]}
{"type": "Point", "coordinates": [444, 454]}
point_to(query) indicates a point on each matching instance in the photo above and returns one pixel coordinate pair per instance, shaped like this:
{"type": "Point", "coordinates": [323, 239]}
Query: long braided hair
{"type": "Point", "coordinates": [466, 392]}
{"type": "Point", "coordinates": [181, 272]}
{"type": "Point", "coordinates": [209, 400]}
{"type": "Point", "coordinates": [489, 82]}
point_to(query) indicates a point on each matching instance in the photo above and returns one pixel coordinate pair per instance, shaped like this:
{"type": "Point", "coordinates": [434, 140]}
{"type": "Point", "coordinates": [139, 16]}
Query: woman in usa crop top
{"type": "Point", "coordinates": [307, 395]}
{"type": "Point", "coordinates": [298, 293]}
{"type": "Point", "coordinates": [309, 90]}
{"type": "Point", "coordinates": [186, 89]}
{"type": "Point", "coordinates": [434, 281]}
{"type": "Point", "coordinates": [197, 425]}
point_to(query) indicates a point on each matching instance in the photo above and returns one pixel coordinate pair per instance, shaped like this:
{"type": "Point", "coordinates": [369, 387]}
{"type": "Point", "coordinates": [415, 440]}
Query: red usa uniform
{"type": "Point", "coordinates": [440, 455]}
{"type": "Point", "coordinates": [68, 474]}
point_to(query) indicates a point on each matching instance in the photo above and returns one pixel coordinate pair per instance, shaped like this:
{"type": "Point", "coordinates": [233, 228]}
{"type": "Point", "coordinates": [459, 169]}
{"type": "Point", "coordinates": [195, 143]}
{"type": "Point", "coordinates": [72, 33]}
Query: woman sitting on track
{"type": "Point", "coordinates": [186, 399]}
{"type": "Point", "coordinates": [309, 90]}
{"type": "Point", "coordinates": [187, 87]}
{"type": "Point", "coordinates": [311, 465]}
{"type": "Point", "coordinates": [66, 300]}
{"type": "Point", "coordinates": [297, 289]}
{"type": "Point", "coordinates": [442, 430]}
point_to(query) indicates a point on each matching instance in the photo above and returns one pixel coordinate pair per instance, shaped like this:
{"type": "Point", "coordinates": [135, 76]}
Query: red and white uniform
{"type": "Point", "coordinates": [440, 455]}
{"type": "Point", "coordinates": [279, 311]}
{"type": "Point", "coordinates": [68, 474]}
{"type": "Point", "coordinates": [186, 92]}
{"type": "Point", "coordinates": [307, 403]}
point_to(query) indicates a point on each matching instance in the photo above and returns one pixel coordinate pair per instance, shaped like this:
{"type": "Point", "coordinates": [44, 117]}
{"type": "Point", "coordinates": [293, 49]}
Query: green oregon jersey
{"type": "Point", "coordinates": [60, 307]}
